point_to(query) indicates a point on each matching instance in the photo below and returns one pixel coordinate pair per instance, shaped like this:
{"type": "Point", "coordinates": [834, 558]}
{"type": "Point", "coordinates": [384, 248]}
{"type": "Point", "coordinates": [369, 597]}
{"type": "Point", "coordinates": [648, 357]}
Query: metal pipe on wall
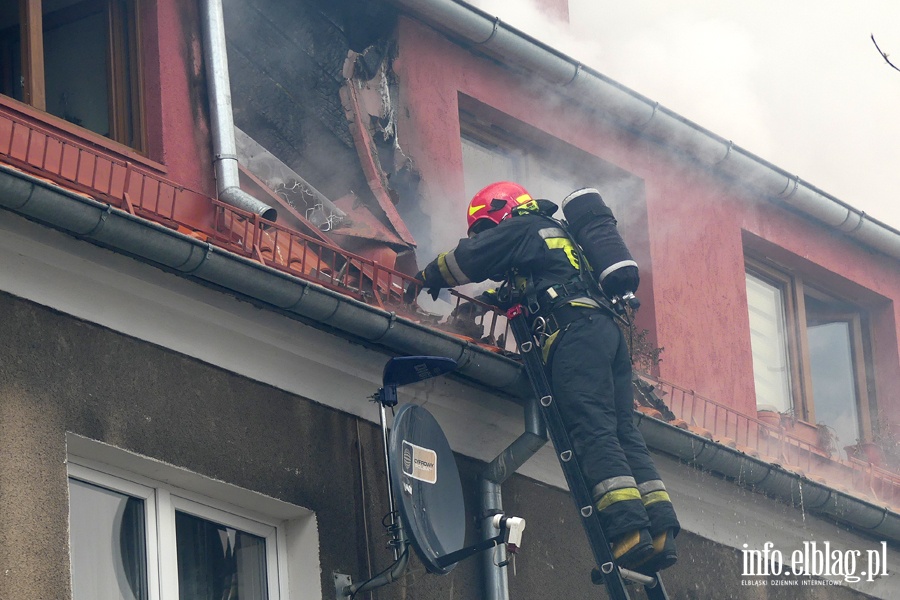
{"type": "Point", "coordinates": [225, 157]}
{"type": "Point", "coordinates": [496, 582]}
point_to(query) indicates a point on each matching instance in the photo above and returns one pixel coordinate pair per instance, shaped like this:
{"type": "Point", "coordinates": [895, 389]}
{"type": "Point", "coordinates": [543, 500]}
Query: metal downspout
{"type": "Point", "coordinates": [225, 156]}
{"type": "Point", "coordinates": [631, 110]}
{"type": "Point", "coordinates": [496, 583]}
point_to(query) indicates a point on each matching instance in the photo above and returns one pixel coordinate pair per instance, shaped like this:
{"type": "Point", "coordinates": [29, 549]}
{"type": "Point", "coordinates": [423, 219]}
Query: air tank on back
{"type": "Point", "coordinates": [593, 226]}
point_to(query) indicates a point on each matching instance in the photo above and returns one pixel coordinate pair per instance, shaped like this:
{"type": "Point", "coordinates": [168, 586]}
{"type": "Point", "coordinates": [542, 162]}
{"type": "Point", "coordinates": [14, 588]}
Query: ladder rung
{"type": "Point", "coordinates": [645, 580]}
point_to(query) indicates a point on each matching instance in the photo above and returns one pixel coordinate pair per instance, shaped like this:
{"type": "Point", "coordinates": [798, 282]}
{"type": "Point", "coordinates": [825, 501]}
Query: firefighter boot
{"type": "Point", "coordinates": [664, 554]}
{"type": "Point", "coordinates": [632, 548]}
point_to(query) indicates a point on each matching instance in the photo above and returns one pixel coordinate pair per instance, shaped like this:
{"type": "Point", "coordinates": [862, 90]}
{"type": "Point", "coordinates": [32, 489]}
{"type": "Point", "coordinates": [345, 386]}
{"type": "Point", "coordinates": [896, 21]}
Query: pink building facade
{"type": "Point", "coordinates": [165, 344]}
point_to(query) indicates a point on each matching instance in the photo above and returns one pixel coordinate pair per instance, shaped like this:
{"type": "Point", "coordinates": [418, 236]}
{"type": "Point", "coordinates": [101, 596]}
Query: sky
{"type": "Point", "coordinates": [798, 83]}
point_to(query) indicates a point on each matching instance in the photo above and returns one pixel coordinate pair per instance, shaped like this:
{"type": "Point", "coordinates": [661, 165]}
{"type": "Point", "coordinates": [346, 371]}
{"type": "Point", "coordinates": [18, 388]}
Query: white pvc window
{"type": "Point", "coordinates": [769, 344]}
{"type": "Point", "coordinates": [134, 538]}
{"type": "Point", "coordinates": [109, 521]}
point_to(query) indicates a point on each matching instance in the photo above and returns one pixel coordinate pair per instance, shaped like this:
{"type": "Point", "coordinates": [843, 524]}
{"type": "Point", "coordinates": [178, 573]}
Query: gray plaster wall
{"type": "Point", "coordinates": [59, 374]}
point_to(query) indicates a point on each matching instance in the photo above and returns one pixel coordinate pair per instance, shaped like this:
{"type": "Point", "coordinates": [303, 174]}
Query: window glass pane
{"type": "Point", "coordinates": [483, 165]}
{"type": "Point", "coordinates": [107, 537]}
{"type": "Point", "coordinates": [216, 562]}
{"type": "Point", "coordinates": [768, 340]}
{"type": "Point", "coordinates": [76, 65]}
{"type": "Point", "coordinates": [834, 385]}
{"type": "Point", "coordinates": [551, 182]}
{"type": "Point", "coordinates": [10, 51]}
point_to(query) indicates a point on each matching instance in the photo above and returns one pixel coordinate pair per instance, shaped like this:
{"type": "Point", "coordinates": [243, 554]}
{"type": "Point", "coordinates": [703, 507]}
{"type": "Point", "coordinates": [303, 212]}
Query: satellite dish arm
{"type": "Point", "coordinates": [392, 574]}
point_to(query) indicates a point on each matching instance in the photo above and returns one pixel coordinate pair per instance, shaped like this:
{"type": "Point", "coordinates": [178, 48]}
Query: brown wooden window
{"type": "Point", "coordinates": [77, 60]}
{"type": "Point", "coordinates": [810, 351]}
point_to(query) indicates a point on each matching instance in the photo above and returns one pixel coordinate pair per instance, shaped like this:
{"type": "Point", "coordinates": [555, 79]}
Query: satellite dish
{"type": "Point", "coordinates": [423, 484]}
{"type": "Point", "coordinates": [427, 488]}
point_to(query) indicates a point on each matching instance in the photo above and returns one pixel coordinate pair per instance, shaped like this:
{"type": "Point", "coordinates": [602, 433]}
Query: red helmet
{"type": "Point", "coordinates": [495, 203]}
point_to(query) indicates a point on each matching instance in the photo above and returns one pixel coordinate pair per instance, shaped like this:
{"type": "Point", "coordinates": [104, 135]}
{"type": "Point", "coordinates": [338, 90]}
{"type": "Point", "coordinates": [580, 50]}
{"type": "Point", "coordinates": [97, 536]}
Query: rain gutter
{"type": "Point", "coordinates": [118, 230]}
{"type": "Point", "coordinates": [225, 154]}
{"type": "Point", "coordinates": [486, 34]}
{"type": "Point", "coordinates": [773, 480]}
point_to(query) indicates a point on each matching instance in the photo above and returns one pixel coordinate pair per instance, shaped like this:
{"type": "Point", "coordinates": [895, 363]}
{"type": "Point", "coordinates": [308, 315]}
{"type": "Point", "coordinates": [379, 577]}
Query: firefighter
{"type": "Point", "coordinates": [511, 239]}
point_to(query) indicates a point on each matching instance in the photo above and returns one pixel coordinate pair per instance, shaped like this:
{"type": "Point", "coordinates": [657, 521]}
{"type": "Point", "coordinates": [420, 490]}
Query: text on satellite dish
{"type": "Point", "coordinates": [419, 463]}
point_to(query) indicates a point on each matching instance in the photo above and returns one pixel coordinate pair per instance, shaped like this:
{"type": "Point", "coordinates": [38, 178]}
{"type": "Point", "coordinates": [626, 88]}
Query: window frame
{"type": "Point", "coordinates": [795, 322]}
{"type": "Point", "coordinates": [532, 153]}
{"type": "Point", "coordinates": [125, 104]}
{"type": "Point", "coordinates": [210, 510]}
{"type": "Point", "coordinates": [537, 153]}
{"type": "Point", "coordinates": [162, 499]}
{"type": "Point", "coordinates": [795, 287]}
{"type": "Point", "coordinates": [138, 490]}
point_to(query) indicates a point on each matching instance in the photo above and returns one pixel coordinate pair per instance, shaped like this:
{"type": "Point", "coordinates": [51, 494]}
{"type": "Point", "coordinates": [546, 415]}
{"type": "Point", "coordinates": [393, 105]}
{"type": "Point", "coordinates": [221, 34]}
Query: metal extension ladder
{"type": "Point", "coordinates": [613, 576]}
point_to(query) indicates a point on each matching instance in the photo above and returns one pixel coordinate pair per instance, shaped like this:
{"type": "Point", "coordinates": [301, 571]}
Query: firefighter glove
{"type": "Point", "coordinates": [412, 291]}
{"type": "Point", "coordinates": [414, 287]}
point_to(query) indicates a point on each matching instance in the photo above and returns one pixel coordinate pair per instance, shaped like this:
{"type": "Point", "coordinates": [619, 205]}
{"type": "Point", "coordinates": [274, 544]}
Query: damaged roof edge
{"type": "Point", "coordinates": [102, 224]}
{"type": "Point", "coordinates": [634, 111]}
{"type": "Point", "coordinates": [105, 225]}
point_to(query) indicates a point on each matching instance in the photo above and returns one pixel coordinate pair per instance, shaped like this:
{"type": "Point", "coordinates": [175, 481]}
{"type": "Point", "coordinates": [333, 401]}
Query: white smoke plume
{"type": "Point", "coordinates": [799, 83]}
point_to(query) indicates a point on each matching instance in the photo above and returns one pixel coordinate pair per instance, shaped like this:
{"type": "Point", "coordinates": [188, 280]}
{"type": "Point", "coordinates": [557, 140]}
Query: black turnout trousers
{"type": "Point", "coordinates": [590, 373]}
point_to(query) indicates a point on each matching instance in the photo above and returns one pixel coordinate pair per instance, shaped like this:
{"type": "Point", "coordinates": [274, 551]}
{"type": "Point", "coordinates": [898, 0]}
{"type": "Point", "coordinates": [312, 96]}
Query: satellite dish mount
{"type": "Point", "coordinates": [427, 509]}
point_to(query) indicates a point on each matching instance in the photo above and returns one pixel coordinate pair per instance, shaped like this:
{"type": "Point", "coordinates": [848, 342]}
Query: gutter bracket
{"type": "Point", "coordinates": [104, 215]}
{"type": "Point", "coordinates": [578, 67]}
{"type": "Point", "coordinates": [793, 191]}
{"type": "Point", "coordinates": [652, 116]}
{"type": "Point", "coordinates": [728, 149]}
{"type": "Point", "coordinates": [493, 32]}
{"type": "Point", "coordinates": [206, 254]}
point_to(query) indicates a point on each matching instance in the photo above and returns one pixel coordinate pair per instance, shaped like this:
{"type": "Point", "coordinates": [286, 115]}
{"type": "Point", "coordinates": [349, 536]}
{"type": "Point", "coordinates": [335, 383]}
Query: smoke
{"type": "Point", "coordinates": [797, 83]}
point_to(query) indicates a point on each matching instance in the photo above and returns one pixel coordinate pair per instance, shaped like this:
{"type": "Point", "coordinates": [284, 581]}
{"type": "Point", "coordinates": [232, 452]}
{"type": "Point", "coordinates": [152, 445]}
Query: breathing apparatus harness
{"type": "Point", "coordinates": [550, 310]}
{"type": "Point", "coordinates": [616, 306]}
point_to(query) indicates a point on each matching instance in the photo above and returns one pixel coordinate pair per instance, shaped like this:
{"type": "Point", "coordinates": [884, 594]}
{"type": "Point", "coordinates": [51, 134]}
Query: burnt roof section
{"type": "Point", "coordinates": [286, 61]}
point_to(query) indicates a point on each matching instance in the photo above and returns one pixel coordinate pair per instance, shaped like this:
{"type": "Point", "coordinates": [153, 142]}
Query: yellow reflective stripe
{"type": "Point", "coordinates": [450, 270]}
{"type": "Point", "coordinates": [653, 497]}
{"type": "Point", "coordinates": [590, 304]}
{"type": "Point", "coordinates": [565, 244]}
{"type": "Point", "coordinates": [523, 199]}
{"type": "Point", "coordinates": [475, 209]}
{"type": "Point", "coordinates": [618, 496]}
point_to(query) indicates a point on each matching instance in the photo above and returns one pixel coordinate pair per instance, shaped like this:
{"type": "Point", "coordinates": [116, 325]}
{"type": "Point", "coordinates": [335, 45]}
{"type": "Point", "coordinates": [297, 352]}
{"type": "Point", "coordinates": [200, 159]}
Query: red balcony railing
{"type": "Point", "coordinates": [774, 442]}
{"type": "Point", "coordinates": [84, 168]}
